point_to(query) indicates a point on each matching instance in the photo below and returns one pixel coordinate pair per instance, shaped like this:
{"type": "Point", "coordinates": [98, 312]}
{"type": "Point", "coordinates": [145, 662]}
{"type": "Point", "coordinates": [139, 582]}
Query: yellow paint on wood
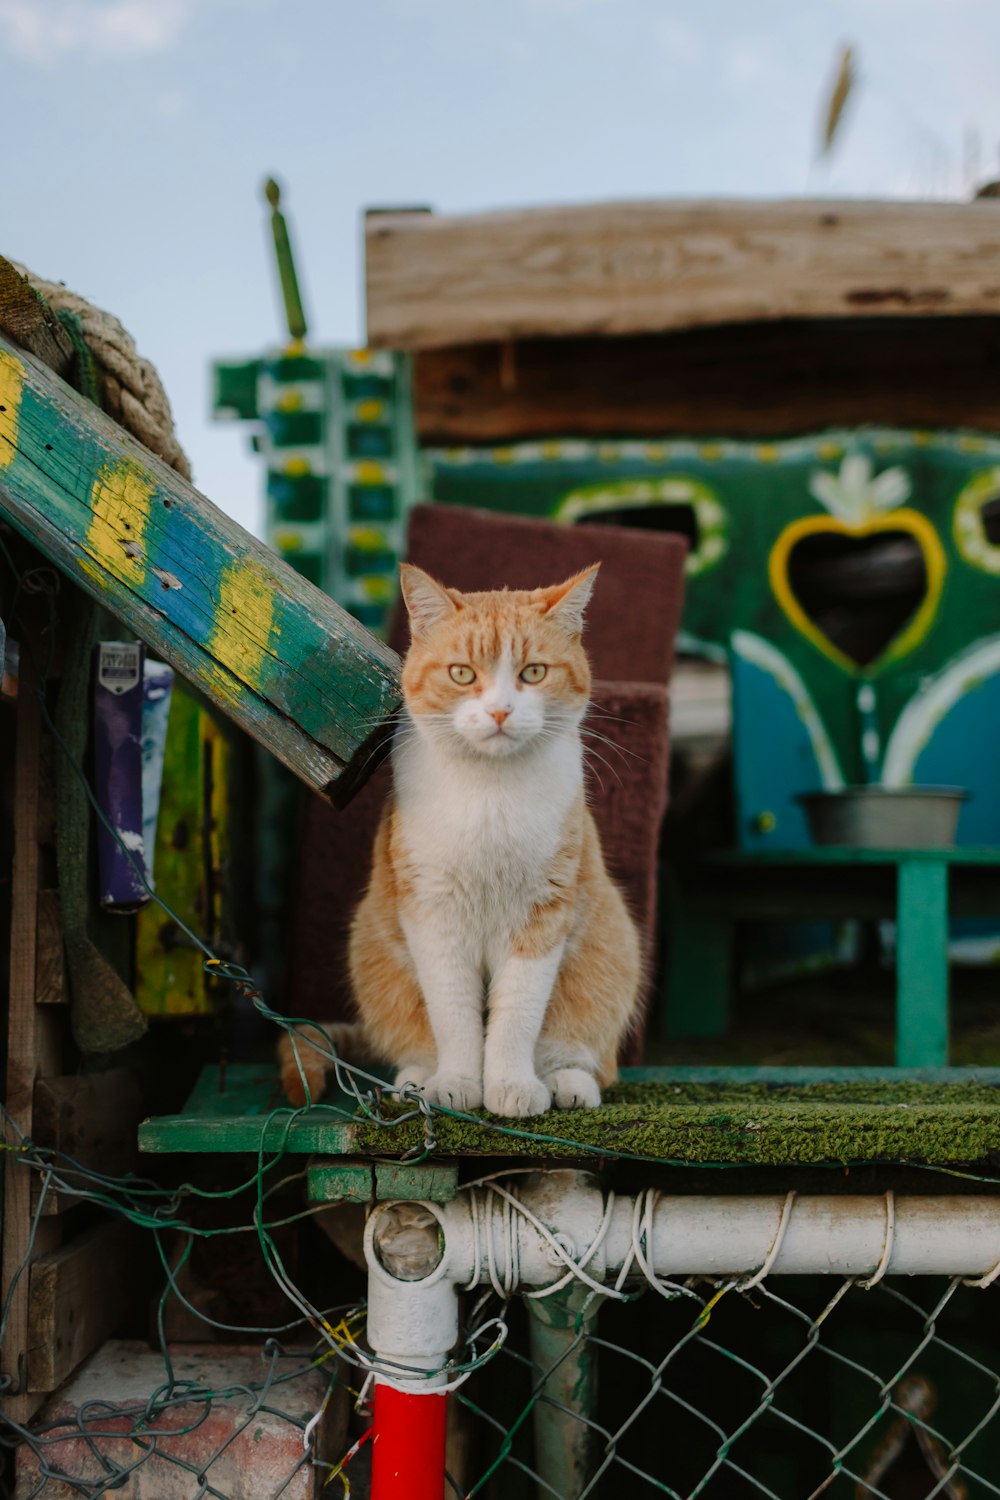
{"type": "Point", "coordinates": [11, 381]}
{"type": "Point", "coordinates": [244, 621]}
{"type": "Point", "coordinates": [116, 537]}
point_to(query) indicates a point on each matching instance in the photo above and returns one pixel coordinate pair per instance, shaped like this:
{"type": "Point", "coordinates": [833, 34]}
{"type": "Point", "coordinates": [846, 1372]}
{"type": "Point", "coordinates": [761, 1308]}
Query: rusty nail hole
{"type": "Point", "coordinates": [167, 504]}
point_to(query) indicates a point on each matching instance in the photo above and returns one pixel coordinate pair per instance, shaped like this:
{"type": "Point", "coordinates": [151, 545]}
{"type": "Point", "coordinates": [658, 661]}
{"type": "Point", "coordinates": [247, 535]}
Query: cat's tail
{"type": "Point", "coordinates": [303, 1065]}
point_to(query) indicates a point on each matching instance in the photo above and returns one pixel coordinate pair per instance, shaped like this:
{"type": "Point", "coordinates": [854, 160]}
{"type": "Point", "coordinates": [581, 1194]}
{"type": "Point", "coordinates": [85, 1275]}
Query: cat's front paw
{"type": "Point", "coordinates": [573, 1088]}
{"type": "Point", "coordinates": [518, 1098]}
{"type": "Point", "coordinates": [453, 1091]}
{"type": "Point", "coordinates": [416, 1074]}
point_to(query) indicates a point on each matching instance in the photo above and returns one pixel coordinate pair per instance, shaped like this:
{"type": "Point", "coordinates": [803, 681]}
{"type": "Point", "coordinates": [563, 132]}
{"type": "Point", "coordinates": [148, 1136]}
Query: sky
{"type": "Point", "coordinates": [138, 134]}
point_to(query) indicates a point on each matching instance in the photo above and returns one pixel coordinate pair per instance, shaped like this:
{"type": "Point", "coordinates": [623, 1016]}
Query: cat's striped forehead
{"type": "Point", "coordinates": [502, 624]}
{"type": "Point", "coordinates": [490, 630]}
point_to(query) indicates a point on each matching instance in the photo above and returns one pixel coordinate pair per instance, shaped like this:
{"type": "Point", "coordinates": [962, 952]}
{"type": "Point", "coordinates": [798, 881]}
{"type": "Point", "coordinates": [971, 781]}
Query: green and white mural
{"type": "Point", "coordinates": [852, 579]}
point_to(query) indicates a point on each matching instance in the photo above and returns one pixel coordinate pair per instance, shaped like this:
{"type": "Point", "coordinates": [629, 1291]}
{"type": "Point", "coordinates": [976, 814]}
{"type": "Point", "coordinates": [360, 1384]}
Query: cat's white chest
{"type": "Point", "coordinates": [481, 838]}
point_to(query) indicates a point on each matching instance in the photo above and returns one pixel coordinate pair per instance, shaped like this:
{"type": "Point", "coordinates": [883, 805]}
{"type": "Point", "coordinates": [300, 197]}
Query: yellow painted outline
{"type": "Point", "coordinates": [967, 521]}
{"type": "Point", "coordinates": [910, 637]}
{"type": "Point", "coordinates": [11, 384]}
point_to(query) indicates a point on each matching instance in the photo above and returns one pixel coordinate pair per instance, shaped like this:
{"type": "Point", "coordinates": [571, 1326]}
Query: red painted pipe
{"type": "Point", "coordinates": [408, 1445]}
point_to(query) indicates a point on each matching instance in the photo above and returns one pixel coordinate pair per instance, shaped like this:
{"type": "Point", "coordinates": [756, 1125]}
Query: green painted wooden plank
{"type": "Point", "coordinates": [170, 976]}
{"type": "Point", "coordinates": [273, 652]}
{"type": "Point", "coordinates": [233, 1108]}
{"type": "Point", "coordinates": [435, 1181]}
{"type": "Point", "coordinates": [922, 964]}
{"type": "Point", "coordinates": [796, 1076]}
{"type": "Point", "coordinates": [860, 1115]}
{"type": "Point", "coordinates": [335, 1180]}
{"type": "Point", "coordinates": [835, 854]}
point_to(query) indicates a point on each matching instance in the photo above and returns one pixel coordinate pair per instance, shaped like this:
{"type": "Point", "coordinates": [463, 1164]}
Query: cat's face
{"type": "Point", "coordinates": [492, 674]}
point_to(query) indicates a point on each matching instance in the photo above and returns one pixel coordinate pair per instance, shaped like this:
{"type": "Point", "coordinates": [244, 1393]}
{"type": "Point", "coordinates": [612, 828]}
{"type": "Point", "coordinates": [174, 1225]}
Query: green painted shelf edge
{"type": "Point", "coordinates": [842, 854]}
{"type": "Point", "coordinates": [691, 1116]}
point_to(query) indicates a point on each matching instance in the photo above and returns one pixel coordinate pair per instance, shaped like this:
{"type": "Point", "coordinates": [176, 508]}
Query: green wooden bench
{"type": "Point", "coordinates": [920, 888]}
{"type": "Point", "coordinates": [686, 1117]}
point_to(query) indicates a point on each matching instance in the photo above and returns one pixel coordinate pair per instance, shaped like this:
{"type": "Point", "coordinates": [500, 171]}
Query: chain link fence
{"type": "Point", "coordinates": [799, 1388]}
{"type": "Point", "coordinates": [787, 1386]}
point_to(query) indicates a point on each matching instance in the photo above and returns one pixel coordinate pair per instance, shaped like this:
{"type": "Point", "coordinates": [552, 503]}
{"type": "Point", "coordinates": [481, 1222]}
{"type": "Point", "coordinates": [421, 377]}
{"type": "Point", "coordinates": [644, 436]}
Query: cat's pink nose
{"type": "Point", "coordinates": [499, 715]}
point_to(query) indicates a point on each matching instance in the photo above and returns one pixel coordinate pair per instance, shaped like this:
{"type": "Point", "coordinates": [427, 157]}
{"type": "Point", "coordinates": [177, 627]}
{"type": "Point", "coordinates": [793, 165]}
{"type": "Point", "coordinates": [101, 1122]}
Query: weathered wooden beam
{"type": "Point", "coordinates": [91, 1117]}
{"type": "Point", "coordinates": [617, 268]}
{"type": "Point", "coordinates": [280, 658]}
{"type": "Point", "coordinates": [747, 380]}
{"type": "Point", "coordinates": [79, 1294]}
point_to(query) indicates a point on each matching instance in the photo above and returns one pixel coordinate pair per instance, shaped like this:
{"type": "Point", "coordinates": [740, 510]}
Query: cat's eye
{"type": "Point", "coordinates": [533, 672]}
{"type": "Point", "coordinates": [462, 675]}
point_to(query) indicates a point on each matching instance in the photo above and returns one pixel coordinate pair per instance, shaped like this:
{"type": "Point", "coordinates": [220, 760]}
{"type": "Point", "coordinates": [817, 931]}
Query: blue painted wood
{"type": "Point", "coordinates": [962, 752]}
{"type": "Point", "coordinates": [773, 762]}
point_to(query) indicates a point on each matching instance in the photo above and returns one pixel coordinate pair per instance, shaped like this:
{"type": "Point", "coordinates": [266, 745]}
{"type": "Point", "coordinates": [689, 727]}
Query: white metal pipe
{"type": "Point", "coordinates": [531, 1231]}
{"type": "Point", "coordinates": [722, 1235]}
{"type": "Point", "coordinates": [412, 1323]}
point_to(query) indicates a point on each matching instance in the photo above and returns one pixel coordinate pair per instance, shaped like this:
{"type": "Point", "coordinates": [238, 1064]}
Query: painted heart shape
{"type": "Point", "coordinates": [864, 592]}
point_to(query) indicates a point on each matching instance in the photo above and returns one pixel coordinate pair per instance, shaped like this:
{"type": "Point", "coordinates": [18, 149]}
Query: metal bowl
{"type": "Point", "coordinates": [882, 817]}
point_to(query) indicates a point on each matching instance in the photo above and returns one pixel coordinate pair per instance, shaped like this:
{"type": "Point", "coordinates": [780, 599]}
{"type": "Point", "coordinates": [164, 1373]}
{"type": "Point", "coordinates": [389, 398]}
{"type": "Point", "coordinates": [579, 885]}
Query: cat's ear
{"type": "Point", "coordinates": [567, 601]}
{"type": "Point", "coordinates": [427, 602]}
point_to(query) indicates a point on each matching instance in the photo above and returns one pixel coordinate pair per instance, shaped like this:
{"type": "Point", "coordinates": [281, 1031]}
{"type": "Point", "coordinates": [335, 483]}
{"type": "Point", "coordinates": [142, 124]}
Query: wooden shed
{"type": "Point", "coordinates": [102, 540]}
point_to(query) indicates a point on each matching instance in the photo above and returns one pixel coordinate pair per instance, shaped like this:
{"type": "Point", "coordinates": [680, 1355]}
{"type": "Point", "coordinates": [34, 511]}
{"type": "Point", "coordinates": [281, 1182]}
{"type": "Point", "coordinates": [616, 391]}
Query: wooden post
{"type": "Point", "coordinates": [21, 1036]}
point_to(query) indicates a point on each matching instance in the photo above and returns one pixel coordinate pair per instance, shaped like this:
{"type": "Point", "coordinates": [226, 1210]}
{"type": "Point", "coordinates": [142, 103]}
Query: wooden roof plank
{"type": "Point", "coordinates": [618, 268]}
{"type": "Point", "coordinates": [283, 660]}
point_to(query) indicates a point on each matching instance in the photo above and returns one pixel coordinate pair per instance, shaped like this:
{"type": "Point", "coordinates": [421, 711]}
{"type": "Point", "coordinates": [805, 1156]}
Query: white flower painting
{"type": "Point", "coordinates": [856, 494]}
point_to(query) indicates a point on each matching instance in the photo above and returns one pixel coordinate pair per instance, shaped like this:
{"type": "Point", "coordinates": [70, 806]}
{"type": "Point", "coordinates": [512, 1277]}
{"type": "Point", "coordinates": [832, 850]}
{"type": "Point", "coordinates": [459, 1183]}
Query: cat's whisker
{"type": "Point", "coordinates": [598, 778]}
{"type": "Point", "coordinates": [614, 745]}
{"type": "Point", "coordinates": [593, 712]}
{"type": "Point", "coordinates": [400, 711]}
{"type": "Point", "coordinates": [589, 750]}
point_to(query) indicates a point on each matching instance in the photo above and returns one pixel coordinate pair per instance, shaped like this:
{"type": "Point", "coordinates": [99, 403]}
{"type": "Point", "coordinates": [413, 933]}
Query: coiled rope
{"type": "Point", "coordinates": [128, 387]}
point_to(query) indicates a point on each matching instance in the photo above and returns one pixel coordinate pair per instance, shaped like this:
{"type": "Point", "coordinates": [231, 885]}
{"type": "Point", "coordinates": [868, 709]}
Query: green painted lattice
{"type": "Point", "coordinates": [335, 431]}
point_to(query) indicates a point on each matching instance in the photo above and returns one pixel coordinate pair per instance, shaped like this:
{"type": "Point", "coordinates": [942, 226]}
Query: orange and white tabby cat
{"type": "Point", "coordinates": [492, 958]}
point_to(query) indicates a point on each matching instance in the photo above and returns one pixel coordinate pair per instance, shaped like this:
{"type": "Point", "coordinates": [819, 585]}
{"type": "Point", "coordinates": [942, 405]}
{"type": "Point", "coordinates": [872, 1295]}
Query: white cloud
{"type": "Point", "coordinates": [44, 31]}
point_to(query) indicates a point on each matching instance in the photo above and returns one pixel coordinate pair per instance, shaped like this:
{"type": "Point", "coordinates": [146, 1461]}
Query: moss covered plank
{"type": "Point", "coordinates": [280, 658]}
{"type": "Point", "coordinates": [670, 1119]}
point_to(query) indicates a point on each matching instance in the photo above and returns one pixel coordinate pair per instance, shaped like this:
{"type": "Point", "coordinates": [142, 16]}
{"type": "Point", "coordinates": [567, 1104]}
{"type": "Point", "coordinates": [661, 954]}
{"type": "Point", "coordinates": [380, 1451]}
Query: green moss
{"type": "Point", "coordinates": [749, 1124]}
